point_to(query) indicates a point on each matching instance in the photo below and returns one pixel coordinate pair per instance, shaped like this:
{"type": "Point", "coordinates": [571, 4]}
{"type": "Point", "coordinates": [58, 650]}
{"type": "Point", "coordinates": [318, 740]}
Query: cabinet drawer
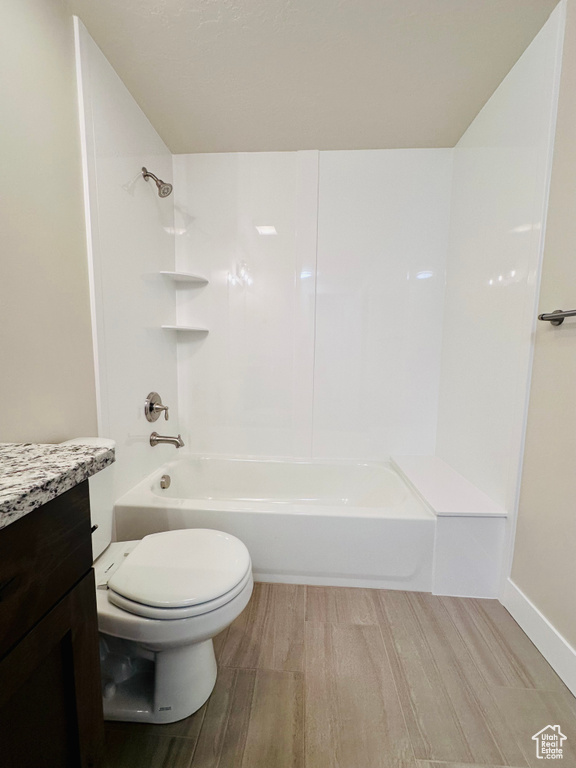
{"type": "Point", "coordinates": [42, 556]}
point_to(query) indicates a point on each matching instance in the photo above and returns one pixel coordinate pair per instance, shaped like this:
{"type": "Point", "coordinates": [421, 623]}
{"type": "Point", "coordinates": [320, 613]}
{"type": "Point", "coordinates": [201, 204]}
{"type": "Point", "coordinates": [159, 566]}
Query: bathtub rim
{"type": "Point", "coordinates": [412, 507]}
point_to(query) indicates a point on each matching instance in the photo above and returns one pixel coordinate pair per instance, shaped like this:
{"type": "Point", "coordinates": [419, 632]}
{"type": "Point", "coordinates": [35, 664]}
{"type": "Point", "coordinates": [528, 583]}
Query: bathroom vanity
{"type": "Point", "coordinates": [50, 695]}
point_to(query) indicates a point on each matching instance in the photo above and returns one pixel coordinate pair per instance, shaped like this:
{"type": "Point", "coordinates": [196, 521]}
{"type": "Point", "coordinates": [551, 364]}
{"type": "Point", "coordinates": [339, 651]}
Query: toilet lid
{"type": "Point", "coordinates": [181, 568]}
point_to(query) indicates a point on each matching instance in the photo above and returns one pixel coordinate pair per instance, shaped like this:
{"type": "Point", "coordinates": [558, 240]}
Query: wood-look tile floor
{"type": "Point", "coordinates": [326, 677]}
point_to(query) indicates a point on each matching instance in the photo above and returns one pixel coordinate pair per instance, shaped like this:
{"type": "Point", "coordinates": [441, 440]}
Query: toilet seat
{"type": "Point", "coordinates": [185, 612]}
{"type": "Point", "coordinates": [179, 574]}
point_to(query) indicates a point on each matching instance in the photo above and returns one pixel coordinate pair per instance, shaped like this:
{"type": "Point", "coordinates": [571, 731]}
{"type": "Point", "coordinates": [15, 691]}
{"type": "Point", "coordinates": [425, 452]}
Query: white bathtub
{"type": "Point", "coordinates": [304, 522]}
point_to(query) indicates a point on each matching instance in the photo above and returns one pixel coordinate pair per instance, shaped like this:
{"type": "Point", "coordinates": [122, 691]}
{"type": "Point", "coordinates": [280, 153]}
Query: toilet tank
{"type": "Point", "coordinates": [101, 496]}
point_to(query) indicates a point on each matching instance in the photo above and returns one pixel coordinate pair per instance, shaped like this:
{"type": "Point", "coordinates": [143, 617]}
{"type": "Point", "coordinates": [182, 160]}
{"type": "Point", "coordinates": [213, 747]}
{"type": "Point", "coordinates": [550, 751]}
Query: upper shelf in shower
{"type": "Point", "coordinates": [185, 277]}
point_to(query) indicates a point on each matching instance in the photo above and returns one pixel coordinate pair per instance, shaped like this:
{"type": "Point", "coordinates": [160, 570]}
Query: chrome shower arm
{"type": "Point", "coordinates": [164, 189]}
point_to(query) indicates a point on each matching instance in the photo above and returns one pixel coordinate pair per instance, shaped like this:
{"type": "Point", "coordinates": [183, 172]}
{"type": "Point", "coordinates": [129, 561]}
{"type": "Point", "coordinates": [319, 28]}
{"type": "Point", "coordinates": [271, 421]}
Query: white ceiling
{"type": "Point", "coordinates": [256, 75]}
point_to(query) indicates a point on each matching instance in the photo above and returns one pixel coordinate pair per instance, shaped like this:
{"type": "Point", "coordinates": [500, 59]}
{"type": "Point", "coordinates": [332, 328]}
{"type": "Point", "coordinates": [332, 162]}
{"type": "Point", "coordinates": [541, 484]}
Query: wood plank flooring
{"type": "Point", "coordinates": [327, 677]}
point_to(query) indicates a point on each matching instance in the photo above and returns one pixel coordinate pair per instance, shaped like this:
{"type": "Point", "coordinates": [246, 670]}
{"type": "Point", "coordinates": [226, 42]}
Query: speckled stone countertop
{"type": "Point", "coordinates": [32, 474]}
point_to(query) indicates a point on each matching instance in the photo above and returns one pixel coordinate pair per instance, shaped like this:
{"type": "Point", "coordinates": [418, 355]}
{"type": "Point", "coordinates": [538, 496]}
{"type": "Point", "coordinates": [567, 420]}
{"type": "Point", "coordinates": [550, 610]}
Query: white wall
{"type": "Point", "coordinates": [338, 358]}
{"type": "Point", "coordinates": [130, 238]}
{"type": "Point", "coordinates": [499, 196]}
{"type": "Point", "coordinates": [47, 374]}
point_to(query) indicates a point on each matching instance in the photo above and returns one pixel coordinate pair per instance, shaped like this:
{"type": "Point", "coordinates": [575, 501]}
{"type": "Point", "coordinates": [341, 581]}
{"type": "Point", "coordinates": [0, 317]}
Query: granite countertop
{"type": "Point", "coordinates": [32, 474]}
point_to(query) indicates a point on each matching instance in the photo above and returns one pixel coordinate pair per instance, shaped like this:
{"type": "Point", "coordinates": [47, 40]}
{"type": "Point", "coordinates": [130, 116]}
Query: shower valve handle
{"type": "Point", "coordinates": [159, 408]}
{"type": "Point", "coordinates": [153, 407]}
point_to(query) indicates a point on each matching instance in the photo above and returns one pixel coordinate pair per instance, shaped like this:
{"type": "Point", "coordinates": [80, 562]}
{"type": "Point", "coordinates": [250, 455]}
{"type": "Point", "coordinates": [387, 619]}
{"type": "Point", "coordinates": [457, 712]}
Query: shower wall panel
{"type": "Point", "coordinates": [500, 196]}
{"type": "Point", "coordinates": [130, 240]}
{"type": "Point", "coordinates": [248, 223]}
{"type": "Point", "coordinates": [382, 238]}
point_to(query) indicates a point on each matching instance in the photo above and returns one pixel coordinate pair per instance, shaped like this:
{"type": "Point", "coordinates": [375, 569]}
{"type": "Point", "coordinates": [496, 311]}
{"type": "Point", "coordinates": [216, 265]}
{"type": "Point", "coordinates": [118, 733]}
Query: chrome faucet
{"type": "Point", "coordinates": [156, 439]}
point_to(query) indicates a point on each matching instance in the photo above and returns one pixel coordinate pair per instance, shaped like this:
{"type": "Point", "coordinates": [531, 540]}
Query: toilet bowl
{"type": "Point", "coordinates": [160, 602]}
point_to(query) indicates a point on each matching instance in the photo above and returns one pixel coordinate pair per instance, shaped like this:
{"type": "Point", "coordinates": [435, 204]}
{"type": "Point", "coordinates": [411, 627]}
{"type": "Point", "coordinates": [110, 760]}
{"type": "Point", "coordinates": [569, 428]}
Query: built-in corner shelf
{"type": "Point", "coordinates": [185, 277]}
{"type": "Point", "coordinates": [191, 279]}
{"type": "Point", "coordinates": [188, 328]}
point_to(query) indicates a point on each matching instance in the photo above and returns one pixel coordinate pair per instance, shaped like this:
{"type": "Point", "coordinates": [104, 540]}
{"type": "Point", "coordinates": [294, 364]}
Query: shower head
{"type": "Point", "coordinates": [164, 189]}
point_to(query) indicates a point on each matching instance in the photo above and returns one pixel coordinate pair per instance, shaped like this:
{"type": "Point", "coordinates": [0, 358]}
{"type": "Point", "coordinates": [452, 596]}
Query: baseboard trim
{"type": "Point", "coordinates": [556, 650]}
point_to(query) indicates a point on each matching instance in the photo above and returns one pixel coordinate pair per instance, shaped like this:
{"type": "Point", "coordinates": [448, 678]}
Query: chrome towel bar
{"type": "Point", "coordinates": [557, 317]}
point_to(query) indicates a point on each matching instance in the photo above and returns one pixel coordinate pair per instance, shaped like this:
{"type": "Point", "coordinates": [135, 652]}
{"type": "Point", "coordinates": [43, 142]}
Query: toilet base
{"type": "Point", "coordinates": [155, 687]}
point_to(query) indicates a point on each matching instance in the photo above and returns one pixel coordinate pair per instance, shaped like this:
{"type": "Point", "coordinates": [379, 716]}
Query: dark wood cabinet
{"type": "Point", "coordinates": [50, 695]}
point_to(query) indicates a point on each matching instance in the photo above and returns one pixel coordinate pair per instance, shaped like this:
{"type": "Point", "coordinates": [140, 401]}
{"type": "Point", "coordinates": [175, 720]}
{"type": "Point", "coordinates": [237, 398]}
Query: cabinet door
{"type": "Point", "coordinates": [42, 556]}
{"type": "Point", "coordinates": [50, 695]}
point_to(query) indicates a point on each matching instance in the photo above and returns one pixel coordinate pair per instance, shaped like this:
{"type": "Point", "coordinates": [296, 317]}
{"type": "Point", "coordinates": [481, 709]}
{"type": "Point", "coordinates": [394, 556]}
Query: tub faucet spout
{"type": "Point", "coordinates": [156, 439]}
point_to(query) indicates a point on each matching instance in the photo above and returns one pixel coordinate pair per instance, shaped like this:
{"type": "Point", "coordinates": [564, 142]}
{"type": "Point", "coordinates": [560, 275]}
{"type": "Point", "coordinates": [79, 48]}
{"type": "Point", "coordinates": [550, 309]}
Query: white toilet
{"type": "Point", "coordinates": [160, 602]}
